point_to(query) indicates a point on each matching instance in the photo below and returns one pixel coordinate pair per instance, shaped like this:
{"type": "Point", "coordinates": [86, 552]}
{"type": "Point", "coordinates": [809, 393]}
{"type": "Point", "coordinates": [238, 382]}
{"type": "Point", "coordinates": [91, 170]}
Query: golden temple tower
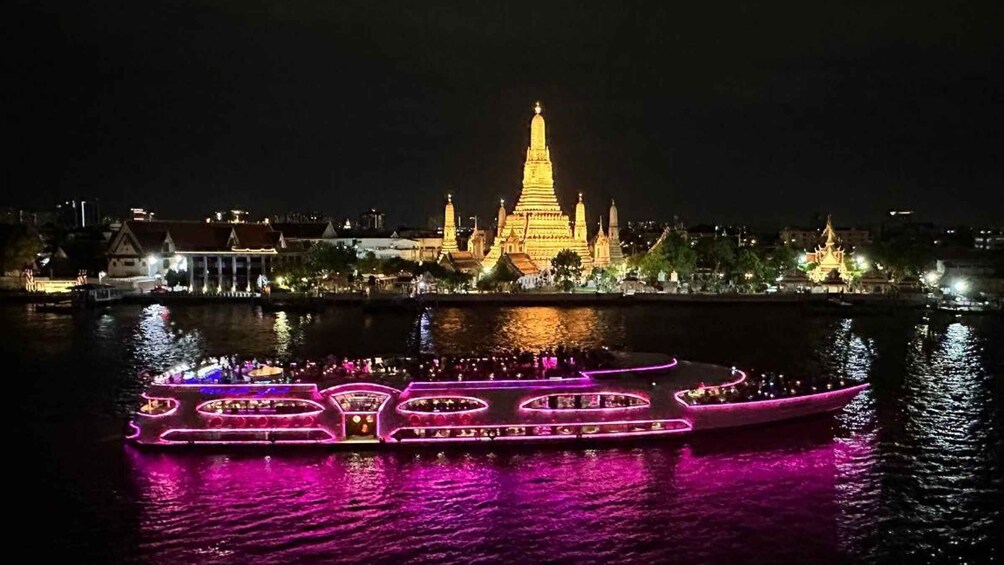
{"type": "Point", "coordinates": [601, 248]}
{"type": "Point", "coordinates": [579, 229]}
{"type": "Point", "coordinates": [537, 222]}
{"type": "Point", "coordinates": [449, 228]}
{"type": "Point", "coordinates": [501, 225]}
{"type": "Point", "coordinates": [616, 253]}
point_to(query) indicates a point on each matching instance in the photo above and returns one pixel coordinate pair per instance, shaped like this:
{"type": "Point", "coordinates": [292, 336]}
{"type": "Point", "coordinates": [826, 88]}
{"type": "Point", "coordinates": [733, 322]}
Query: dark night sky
{"type": "Point", "coordinates": [713, 112]}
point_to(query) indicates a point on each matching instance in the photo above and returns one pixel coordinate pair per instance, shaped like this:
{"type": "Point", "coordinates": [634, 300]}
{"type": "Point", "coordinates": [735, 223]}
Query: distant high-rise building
{"type": "Point", "coordinates": [229, 216]}
{"type": "Point", "coordinates": [78, 213]}
{"type": "Point", "coordinates": [312, 217]}
{"type": "Point", "coordinates": [371, 219]}
{"type": "Point", "coordinates": [141, 215]}
{"type": "Point", "coordinates": [809, 238]}
{"type": "Point", "coordinates": [988, 238]}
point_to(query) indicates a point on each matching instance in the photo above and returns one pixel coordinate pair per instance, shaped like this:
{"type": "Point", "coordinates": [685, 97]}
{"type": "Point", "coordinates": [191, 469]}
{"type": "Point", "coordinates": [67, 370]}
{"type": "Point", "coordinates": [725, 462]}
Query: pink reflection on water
{"type": "Point", "coordinates": [707, 501]}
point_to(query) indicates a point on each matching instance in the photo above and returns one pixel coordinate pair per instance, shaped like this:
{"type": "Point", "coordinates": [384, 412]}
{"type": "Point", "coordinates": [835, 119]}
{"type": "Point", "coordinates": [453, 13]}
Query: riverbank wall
{"type": "Point", "coordinates": [391, 301]}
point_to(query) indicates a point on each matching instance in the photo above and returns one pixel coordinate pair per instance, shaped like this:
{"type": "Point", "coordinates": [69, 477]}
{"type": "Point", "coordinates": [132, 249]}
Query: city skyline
{"type": "Point", "coordinates": [330, 108]}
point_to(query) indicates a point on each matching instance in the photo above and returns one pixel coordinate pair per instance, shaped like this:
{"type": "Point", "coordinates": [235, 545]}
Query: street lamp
{"type": "Point", "coordinates": [960, 286]}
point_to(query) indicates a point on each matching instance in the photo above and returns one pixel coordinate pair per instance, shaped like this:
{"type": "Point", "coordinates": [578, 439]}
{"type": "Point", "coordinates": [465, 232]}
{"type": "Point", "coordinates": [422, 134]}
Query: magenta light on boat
{"type": "Point", "coordinates": [669, 365]}
{"type": "Point", "coordinates": [664, 427]}
{"type": "Point", "coordinates": [772, 402]}
{"type": "Point", "coordinates": [491, 383]}
{"type": "Point", "coordinates": [135, 431]}
{"type": "Point", "coordinates": [213, 434]}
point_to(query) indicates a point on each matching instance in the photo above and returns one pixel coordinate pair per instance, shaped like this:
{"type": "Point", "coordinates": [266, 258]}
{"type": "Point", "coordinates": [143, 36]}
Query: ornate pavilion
{"type": "Point", "coordinates": [829, 259]}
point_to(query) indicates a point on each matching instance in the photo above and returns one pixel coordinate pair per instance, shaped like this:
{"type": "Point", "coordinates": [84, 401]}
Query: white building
{"type": "Point", "coordinates": [214, 257]}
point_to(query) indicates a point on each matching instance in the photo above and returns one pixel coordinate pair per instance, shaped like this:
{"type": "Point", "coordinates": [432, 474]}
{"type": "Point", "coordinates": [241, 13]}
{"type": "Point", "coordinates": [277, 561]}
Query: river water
{"type": "Point", "coordinates": [910, 470]}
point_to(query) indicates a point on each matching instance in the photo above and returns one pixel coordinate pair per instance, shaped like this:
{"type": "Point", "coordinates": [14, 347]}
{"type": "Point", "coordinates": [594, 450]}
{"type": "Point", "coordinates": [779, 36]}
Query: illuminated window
{"type": "Point", "coordinates": [158, 406]}
{"type": "Point", "coordinates": [601, 401]}
{"type": "Point", "coordinates": [260, 407]}
{"type": "Point", "coordinates": [360, 401]}
{"type": "Point", "coordinates": [443, 405]}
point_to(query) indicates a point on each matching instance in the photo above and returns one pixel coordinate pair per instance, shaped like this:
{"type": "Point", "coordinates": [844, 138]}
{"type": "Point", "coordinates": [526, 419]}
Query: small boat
{"type": "Point", "coordinates": [92, 294]}
{"type": "Point", "coordinates": [509, 397]}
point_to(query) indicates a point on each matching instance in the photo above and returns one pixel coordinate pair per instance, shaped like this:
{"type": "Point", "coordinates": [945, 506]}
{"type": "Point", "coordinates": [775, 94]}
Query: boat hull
{"type": "Point", "coordinates": [734, 415]}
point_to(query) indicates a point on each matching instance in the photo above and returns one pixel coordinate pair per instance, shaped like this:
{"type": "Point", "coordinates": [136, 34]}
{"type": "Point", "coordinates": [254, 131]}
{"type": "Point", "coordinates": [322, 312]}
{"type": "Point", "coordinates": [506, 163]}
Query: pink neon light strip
{"type": "Point", "coordinates": [602, 435]}
{"type": "Point", "coordinates": [359, 387]}
{"type": "Point", "coordinates": [770, 402]}
{"type": "Point", "coordinates": [669, 365]}
{"type": "Point", "coordinates": [164, 439]}
{"type": "Point", "coordinates": [136, 431]}
{"type": "Point", "coordinates": [252, 442]}
{"type": "Point", "coordinates": [534, 425]}
{"type": "Point", "coordinates": [385, 397]}
{"type": "Point", "coordinates": [526, 408]}
{"type": "Point", "coordinates": [238, 386]}
{"type": "Point", "coordinates": [170, 401]}
{"type": "Point", "coordinates": [676, 430]}
{"type": "Point", "coordinates": [320, 409]}
{"type": "Point", "coordinates": [376, 419]}
{"type": "Point", "coordinates": [488, 383]}
{"type": "Point", "coordinates": [403, 410]}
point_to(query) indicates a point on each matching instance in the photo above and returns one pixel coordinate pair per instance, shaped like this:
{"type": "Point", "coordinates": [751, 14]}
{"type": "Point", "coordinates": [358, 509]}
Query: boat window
{"type": "Point", "coordinates": [360, 401]}
{"type": "Point", "coordinates": [445, 404]}
{"type": "Point", "coordinates": [585, 402]}
{"type": "Point", "coordinates": [158, 406]}
{"type": "Point", "coordinates": [262, 406]}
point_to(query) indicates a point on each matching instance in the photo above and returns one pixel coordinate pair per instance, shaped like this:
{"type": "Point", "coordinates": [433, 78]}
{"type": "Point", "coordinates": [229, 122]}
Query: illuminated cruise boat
{"type": "Point", "coordinates": [510, 397]}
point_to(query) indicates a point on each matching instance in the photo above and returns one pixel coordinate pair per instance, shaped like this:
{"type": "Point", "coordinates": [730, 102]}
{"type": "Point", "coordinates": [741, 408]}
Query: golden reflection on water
{"type": "Point", "coordinates": [527, 328]}
{"type": "Point", "coordinates": [282, 334]}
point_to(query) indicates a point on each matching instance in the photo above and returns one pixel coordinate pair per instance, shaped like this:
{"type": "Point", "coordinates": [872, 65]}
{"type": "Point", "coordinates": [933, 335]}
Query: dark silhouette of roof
{"type": "Point", "coordinates": [305, 230]}
{"type": "Point", "coordinates": [201, 236]}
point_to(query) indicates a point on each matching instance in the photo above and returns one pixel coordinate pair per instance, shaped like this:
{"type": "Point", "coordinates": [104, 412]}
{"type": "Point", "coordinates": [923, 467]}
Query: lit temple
{"type": "Point", "coordinates": [537, 226]}
{"type": "Point", "coordinates": [829, 259]}
{"type": "Point", "coordinates": [537, 229]}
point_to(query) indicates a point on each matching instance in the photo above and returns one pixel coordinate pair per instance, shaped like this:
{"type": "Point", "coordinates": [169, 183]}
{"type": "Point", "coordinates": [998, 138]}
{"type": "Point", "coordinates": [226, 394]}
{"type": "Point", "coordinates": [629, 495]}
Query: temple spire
{"type": "Point", "coordinates": [831, 235]}
{"type": "Point", "coordinates": [616, 255]}
{"type": "Point", "coordinates": [579, 227]}
{"type": "Point", "coordinates": [502, 216]}
{"type": "Point", "coordinates": [449, 227]}
{"type": "Point", "coordinates": [538, 137]}
{"type": "Point", "coordinates": [538, 176]}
